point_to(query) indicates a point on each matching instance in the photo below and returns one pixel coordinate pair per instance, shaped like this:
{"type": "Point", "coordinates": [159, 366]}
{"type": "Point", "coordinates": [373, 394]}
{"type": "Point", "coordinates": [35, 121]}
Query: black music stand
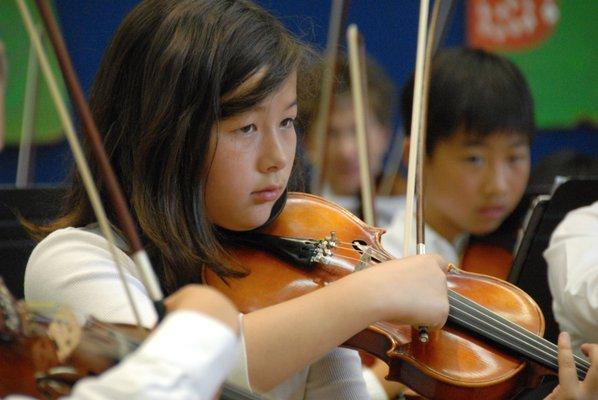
{"type": "Point", "coordinates": [529, 270]}
{"type": "Point", "coordinates": [37, 205]}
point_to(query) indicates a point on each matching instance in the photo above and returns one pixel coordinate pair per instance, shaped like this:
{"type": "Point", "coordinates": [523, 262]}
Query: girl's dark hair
{"type": "Point", "coordinates": [158, 92]}
{"type": "Point", "coordinates": [474, 90]}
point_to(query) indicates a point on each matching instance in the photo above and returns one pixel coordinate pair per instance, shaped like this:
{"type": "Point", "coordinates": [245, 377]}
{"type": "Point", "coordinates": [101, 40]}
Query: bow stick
{"type": "Point", "coordinates": [437, 30]}
{"type": "Point", "coordinates": [113, 188]}
{"type": "Point", "coordinates": [29, 105]}
{"type": "Point", "coordinates": [357, 68]}
{"type": "Point", "coordinates": [338, 19]}
{"type": "Point", "coordinates": [417, 139]}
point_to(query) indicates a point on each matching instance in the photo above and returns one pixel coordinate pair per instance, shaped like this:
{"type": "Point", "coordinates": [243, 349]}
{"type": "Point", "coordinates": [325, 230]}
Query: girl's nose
{"type": "Point", "coordinates": [274, 154]}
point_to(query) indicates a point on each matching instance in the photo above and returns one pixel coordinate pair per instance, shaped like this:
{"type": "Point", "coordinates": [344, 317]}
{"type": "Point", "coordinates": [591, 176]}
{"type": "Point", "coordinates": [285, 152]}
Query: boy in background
{"type": "Point", "coordinates": [341, 174]}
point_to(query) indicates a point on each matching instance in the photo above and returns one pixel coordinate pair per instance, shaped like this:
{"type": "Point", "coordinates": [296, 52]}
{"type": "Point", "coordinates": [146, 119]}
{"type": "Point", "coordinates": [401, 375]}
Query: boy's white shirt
{"type": "Point", "coordinates": [394, 238]}
{"type": "Point", "coordinates": [572, 259]}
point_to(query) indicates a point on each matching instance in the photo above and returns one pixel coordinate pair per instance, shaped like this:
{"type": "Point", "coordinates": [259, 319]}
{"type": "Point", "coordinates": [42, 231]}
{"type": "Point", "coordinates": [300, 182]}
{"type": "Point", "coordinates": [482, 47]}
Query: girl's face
{"type": "Point", "coordinates": [253, 158]}
{"type": "Point", "coordinates": [472, 185]}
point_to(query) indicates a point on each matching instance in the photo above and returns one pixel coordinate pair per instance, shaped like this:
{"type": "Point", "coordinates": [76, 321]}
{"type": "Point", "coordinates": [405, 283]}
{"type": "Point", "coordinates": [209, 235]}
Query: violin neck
{"type": "Point", "coordinates": [468, 314]}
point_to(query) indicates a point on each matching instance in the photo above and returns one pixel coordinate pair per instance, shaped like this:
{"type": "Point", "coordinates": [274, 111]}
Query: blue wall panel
{"type": "Point", "coordinates": [389, 28]}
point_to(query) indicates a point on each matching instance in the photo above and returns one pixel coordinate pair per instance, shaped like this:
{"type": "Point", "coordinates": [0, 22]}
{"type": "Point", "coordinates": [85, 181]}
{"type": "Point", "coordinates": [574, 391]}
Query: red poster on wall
{"type": "Point", "coordinates": [554, 44]}
{"type": "Point", "coordinates": [510, 25]}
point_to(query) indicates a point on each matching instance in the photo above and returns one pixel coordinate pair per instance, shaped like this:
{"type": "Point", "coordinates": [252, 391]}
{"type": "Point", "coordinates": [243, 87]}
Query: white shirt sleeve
{"type": "Point", "coordinates": [337, 375]}
{"type": "Point", "coordinates": [572, 258]}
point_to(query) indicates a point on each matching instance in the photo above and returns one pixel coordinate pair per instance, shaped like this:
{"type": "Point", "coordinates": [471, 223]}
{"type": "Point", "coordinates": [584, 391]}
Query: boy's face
{"type": "Point", "coordinates": [473, 183]}
{"type": "Point", "coordinates": [252, 160]}
{"type": "Point", "coordinates": [342, 164]}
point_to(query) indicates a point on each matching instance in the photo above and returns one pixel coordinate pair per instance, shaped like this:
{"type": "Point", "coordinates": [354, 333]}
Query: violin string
{"type": "Point", "coordinates": [375, 253]}
{"type": "Point", "coordinates": [526, 338]}
{"type": "Point", "coordinates": [480, 311]}
{"type": "Point", "coordinates": [353, 259]}
{"type": "Point", "coordinates": [113, 334]}
{"type": "Point", "coordinates": [499, 339]}
{"type": "Point", "coordinates": [549, 348]}
{"type": "Point", "coordinates": [39, 318]}
{"type": "Point", "coordinates": [537, 342]}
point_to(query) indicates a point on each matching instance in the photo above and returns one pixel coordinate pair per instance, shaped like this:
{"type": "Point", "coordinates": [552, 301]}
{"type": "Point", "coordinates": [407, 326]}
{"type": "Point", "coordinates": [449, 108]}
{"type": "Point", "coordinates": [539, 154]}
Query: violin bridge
{"type": "Point", "coordinates": [66, 333]}
{"type": "Point", "coordinates": [331, 240]}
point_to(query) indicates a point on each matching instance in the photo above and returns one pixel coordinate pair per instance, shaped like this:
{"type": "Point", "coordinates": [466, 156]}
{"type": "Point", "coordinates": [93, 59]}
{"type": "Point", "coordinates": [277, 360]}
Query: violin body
{"type": "Point", "coordinates": [17, 375]}
{"type": "Point", "coordinates": [44, 351]}
{"type": "Point", "coordinates": [29, 364]}
{"type": "Point", "coordinates": [487, 259]}
{"type": "Point", "coordinates": [492, 254]}
{"type": "Point", "coordinates": [454, 364]}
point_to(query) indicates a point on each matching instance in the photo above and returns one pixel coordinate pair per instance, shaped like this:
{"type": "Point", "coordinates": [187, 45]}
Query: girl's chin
{"type": "Point", "coordinates": [485, 229]}
{"type": "Point", "coordinates": [248, 223]}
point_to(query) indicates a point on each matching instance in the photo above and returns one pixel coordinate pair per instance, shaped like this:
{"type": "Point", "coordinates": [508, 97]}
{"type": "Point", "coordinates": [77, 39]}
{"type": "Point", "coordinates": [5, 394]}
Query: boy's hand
{"type": "Point", "coordinates": [570, 388]}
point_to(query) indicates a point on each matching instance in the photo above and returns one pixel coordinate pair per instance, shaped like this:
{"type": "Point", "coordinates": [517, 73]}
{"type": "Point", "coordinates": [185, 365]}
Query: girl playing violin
{"type": "Point", "coordinates": [197, 101]}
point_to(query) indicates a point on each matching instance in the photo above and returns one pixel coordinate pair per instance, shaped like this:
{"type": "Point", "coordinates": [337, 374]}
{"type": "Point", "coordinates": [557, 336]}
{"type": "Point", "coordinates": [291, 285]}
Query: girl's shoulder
{"type": "Point", "coordinates": [69, 256]}
{"type": "Point", "coordinates": [71, 247]}
{"type": "Point", "coordinates": [76, 264]}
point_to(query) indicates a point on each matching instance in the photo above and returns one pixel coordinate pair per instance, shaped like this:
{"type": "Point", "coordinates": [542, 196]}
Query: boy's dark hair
{"type": "Point", "coordinates": [473, 90]}
{"type": "Point", "coordinates": [165, 80]}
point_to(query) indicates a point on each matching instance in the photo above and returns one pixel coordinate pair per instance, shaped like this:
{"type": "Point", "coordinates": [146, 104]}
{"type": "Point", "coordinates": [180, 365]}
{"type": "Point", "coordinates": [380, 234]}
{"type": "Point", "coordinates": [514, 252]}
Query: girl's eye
{"type": "Point", "coordinates": [288, 123]}
{"type": "Point", "coordinates": [247, 129]}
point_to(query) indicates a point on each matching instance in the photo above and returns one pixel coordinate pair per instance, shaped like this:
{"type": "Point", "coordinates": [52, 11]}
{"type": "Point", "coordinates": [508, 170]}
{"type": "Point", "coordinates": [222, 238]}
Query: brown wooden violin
{"type": "Point", "coordinates": [44, 349]}
{"type": "Point", "coordinates": [491, 347]}
{"type": "Point", "coordinates": [492, 254]}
